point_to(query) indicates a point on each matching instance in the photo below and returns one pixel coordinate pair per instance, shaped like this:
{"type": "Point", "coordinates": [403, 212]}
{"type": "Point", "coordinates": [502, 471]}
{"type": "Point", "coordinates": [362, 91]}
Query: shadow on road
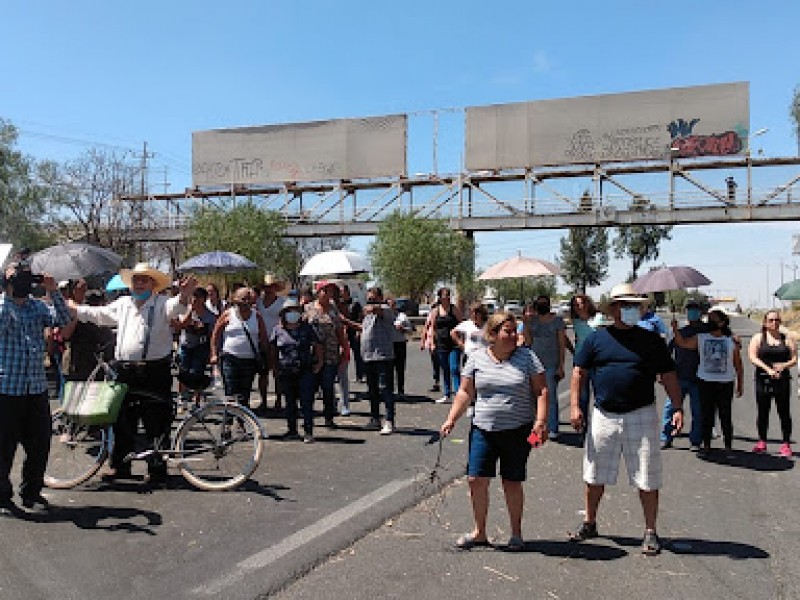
{"type": "Point", "coordinates": [697, 547]}
{"type": "Point", "coordinates": [567, 549]}
{"type": "Point", "coordinates": [748, 460]}
{"type": "Point", "coordinates": [107, 518]}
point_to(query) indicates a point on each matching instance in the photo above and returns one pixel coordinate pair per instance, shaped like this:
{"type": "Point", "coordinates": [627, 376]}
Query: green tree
{"type": "Point", "coordinates": [794, 114]}
{"type": "Point", "coordinates": [411, 254]}
{"type": "Point", "coordinates": [524, 289]}
{"type": "Point", "coordinates": [584, 254]}
{"type": "Point", "coordinates": [84, 199]}
{"type": "Point", "coordinates": [23, 201]}
{"type": "Point", "coordinates": [247, 230]}
{"type": "Point", "coordinates": [640, 243]}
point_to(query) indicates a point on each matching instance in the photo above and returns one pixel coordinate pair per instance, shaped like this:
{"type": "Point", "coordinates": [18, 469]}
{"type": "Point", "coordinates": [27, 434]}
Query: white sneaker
{"type": "Point", "coordinates": [443, 400]}
{"type": "Point", "coordinates": [345, 412]}
{"type": "Point", "coordinates": [388, 428]}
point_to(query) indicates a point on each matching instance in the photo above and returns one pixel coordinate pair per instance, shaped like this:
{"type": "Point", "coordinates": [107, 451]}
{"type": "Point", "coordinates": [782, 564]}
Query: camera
{"type": "Point", "coordinates": [24, 281]}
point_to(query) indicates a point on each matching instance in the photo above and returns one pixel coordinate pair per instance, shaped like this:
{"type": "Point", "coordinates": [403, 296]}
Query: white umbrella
{"type": "Point", "coordinates": [335, 262]}
{"type": "Point", "coordinates": [519, 267]}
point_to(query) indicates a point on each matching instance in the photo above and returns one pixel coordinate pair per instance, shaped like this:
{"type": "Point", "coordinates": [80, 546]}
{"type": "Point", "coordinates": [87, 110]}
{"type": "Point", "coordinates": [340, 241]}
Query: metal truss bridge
{"type": "Point", "coordinates": [742, 189]}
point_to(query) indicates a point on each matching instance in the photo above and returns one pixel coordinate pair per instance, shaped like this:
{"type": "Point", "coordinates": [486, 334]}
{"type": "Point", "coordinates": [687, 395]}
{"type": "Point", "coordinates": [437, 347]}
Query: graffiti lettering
{"type": "Point", "coordinates": [719, 144]}
{"type": "Point", "coordinates": [680, 128]}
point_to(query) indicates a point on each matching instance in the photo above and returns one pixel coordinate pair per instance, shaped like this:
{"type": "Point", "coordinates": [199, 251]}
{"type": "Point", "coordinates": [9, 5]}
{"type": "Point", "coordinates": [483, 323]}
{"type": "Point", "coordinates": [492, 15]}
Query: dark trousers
{"type": "Point", "coordinates": [400, 352]}
{"type": "Point", "coordinates": [24, 420]}
{"type": "Point", "coordinates": [380, 384]}
{"type": "Point", "coordinates": [299, 386]}
{"type": "Point", "coordinates": [326, 380]}
{"type": "Point", "coordinates": [717, 398]}
{"type": "Point", "coordinates": [435, 366]}
{"type": "Point", "coordinates": [156, 415]}
{"type": "Point", "coordinates": [355, 350]}
{"type": "Point", "coordinates": [766, 390]}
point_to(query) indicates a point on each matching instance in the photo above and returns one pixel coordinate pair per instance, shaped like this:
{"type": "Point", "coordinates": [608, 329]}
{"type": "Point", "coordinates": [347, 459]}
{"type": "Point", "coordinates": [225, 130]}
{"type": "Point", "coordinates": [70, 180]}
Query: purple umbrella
{"type": "Point", "coordinates": [670, 278]}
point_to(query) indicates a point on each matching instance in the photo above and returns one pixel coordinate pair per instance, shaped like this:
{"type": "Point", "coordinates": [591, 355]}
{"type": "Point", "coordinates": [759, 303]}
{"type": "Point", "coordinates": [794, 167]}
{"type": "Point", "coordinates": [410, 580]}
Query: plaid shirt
{"type": "Point", "coordinates": [22, 343]}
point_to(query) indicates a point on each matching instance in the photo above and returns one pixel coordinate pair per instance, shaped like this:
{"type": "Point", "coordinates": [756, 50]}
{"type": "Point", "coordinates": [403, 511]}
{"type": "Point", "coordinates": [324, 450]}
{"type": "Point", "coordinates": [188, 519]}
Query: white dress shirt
{"type": "Point", "coordinates": [132, 323]}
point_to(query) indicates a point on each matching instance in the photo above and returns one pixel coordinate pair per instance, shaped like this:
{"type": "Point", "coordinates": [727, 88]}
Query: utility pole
{"type": "Point", "coordinates": [138, 210]}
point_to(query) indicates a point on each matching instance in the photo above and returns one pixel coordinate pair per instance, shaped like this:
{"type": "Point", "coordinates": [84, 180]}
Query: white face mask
{"type": "Point", "coordinates": [629, 315]}
{"type": "Point", "coordinates": [292, 317]}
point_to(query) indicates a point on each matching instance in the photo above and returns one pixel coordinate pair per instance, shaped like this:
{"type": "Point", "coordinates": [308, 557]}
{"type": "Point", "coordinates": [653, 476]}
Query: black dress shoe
{"type": "Point", "coordinates": [7, 508]}
{"type": "Point", "coordinates": [36, 502]}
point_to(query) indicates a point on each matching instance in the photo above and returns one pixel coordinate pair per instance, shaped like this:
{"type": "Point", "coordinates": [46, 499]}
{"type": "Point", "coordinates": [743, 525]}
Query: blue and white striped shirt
{"type": "Point", "coordinates": [22, 342]}
{"type": "Point", "coordinates": [503, 396]}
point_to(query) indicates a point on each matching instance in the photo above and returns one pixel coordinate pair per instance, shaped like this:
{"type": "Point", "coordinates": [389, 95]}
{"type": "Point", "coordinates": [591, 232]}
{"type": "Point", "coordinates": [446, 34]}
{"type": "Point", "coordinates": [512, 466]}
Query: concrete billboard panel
{"type": "Point", "coordinates": [709, 120]}
{"type": "Point", "coordinates": [331, 150]}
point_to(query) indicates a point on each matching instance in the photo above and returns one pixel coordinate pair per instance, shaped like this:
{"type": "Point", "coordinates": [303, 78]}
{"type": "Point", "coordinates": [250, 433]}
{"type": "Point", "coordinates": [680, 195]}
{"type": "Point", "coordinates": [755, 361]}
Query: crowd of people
{"type": "Point", "coordinates": [503, 372]}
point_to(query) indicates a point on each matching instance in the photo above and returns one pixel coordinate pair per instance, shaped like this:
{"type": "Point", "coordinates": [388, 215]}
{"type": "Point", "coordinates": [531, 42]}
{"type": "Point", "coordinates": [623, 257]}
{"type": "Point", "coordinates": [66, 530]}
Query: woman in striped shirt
{"type": "Point", "coordinates": [508, 385]}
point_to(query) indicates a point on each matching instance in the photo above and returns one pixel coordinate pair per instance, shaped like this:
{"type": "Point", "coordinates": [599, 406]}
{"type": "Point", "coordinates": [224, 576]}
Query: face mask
{"type": "Point", "coordinates": [141, 296]}
{"type": "Point", "coordinates": [693, 314]}
{"type": "Point", "coordinates": [714, 325]}
{"type": "Point", "coordinates": [543, 309]}
{"type": "Point", "coordinates": [629, 315]}
{"type": "Point", "coordinates": [292, 317]}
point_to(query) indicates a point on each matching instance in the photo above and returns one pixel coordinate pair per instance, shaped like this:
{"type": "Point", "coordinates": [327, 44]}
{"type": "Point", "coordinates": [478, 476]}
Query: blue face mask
{"type": "Point", "coordinates": [140, 296]}
{"type": "Point", "coordinates": [693, 314]}
{"type": "Point", "coordinates": [630, 315]}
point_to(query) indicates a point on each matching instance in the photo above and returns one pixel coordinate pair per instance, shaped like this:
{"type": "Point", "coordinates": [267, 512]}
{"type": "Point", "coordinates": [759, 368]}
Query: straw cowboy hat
{"type": "Point", "coordinates": [624, 292]}
{"type": "Point", "coordinates": [163, 281]}
{"type": "Point", "coordinates": [272, 279]}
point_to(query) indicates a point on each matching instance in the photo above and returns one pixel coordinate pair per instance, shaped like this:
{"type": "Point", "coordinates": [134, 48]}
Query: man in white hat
{"type": "Point", "coordinates": [144, 355]}
{"type": "Point", "coordinates": [623, 360]}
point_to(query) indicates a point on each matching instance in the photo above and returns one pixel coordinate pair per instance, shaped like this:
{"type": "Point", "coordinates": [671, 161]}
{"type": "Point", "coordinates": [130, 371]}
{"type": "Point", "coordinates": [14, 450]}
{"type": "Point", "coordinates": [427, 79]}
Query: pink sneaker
{"type": "Point", "coordinates": [760, 447]}
{"type": "Point", "coordinates": [786, 450]}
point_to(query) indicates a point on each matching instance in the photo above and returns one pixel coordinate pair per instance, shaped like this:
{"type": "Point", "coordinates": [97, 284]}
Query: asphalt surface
{"type": "Point", "coordinates": [358, 515]}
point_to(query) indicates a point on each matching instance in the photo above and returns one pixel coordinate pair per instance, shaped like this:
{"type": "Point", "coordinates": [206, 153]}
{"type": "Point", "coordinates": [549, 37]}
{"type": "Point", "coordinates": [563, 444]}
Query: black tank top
{"type": "Point", "coordinates": [444, 325]}
{"type": "Point", "coordinates": [773, 354]}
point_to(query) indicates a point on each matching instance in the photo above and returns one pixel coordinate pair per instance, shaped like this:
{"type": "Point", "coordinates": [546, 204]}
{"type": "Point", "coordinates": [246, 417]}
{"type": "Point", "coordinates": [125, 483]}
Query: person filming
{"type": "Point", "coordinates": [24, 402]}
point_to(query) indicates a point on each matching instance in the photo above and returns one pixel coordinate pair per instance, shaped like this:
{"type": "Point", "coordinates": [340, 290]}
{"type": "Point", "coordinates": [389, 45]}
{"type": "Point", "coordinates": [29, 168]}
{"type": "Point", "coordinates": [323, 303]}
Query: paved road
{"type": "Point", "coordinates": [347, 517]}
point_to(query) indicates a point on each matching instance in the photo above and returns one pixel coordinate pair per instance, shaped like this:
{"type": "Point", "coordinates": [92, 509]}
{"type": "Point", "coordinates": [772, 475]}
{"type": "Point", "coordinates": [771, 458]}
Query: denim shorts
{"type": "Point", "coordinates": [510, 446]}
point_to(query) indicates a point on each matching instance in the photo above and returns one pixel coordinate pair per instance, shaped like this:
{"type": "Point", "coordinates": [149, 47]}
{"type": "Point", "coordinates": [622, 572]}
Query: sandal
{"type": "Point", "coordinates": [515, 544]}
{"type": "Point", "coordinates": [468, 542]}
{"type": "Point", "coordinates": [651, 545]}
{"type": "Point", "coordinates": [585, 532]}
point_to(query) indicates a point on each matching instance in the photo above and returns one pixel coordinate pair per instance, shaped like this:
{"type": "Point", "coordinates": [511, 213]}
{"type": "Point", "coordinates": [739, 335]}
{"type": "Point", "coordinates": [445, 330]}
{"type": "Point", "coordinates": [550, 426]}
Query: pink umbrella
{"type": "Point", "coordinates": [520, 267]}
{"type": "Point", "coordinates": [670, 278]}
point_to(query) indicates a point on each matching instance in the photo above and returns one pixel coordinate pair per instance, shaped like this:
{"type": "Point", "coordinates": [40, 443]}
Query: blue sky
{"type": "Point", "coordinates": [82, 73]}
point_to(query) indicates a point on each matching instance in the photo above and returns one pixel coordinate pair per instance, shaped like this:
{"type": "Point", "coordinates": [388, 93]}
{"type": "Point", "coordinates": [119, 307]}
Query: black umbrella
{"type": "Point", "coordinates": [75, 260]}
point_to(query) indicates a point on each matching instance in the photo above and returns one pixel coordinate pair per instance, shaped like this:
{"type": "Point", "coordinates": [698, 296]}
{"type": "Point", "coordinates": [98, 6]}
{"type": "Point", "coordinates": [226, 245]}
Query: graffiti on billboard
{"type": "Point", "coordinates": [686, 144]}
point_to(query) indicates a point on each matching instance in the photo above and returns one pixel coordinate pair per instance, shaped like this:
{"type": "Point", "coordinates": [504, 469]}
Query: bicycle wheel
{"type": "Point", "coordinates": [76, 452]}
{"type": "Point", "coordinates": [219, 446]}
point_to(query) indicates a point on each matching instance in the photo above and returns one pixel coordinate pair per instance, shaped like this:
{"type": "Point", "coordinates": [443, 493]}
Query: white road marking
{"type": "Point", "coordinates": [296, 540]}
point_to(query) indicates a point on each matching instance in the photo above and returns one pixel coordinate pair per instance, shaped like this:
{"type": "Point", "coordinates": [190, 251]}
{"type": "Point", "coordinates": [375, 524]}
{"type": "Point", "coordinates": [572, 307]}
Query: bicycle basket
{"type": "Point", "coordinates": [93, 402]}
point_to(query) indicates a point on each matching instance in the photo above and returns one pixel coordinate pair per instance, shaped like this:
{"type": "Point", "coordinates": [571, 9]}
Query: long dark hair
{"type": "Point", "coordinates": [591, 310]}
{"type": "Point", "coordinates": [724, 320]}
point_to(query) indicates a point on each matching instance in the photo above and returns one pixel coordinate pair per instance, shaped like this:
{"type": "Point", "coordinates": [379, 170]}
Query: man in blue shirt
{"type": "Point", "coordinates": [24, 402]}
{"type": "Point", "coordinates": [623, 361]}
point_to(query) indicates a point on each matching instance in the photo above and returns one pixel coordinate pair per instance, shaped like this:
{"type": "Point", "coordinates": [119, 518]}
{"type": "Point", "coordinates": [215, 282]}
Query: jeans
{"type": "Point", "coordinates": [299, 386]}
{"type": "Point", "coordinates": [344, 383]}
{"type": "Point", "coordinates": [450, 363]}
{"type": "Point", "coordinates": [326, 380]}
{"type": "Point", "coordinates": [238, 375]}
{"type": "Point", "coordinates": [380, 384]}
{"type": "Point", "coordinates": [551, 376]}
{"type": "Point", "coordinates": [688, 387]}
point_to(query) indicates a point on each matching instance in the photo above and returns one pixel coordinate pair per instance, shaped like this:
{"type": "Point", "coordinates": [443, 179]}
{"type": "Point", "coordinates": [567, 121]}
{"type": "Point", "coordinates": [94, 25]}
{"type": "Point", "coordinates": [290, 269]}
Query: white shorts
{"type": "Point", "coordinates": [633, 434]}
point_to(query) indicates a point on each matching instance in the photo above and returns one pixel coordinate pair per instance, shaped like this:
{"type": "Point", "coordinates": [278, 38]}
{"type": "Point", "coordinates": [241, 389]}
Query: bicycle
{"type": "Point", "coordinates": [217, 446]}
